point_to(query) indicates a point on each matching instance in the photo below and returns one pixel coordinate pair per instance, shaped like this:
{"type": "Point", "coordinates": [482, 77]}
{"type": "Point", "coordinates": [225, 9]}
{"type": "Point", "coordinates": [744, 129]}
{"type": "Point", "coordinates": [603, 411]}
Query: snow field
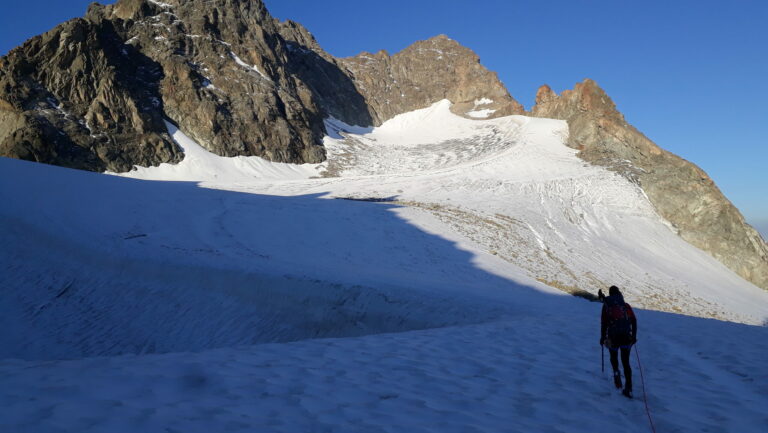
{"type": "Point", "coordinates": [150, 267]}
{"type": "Point", "coordinates": [511, 188]}
{"type": "Point", "coordinates": [538, 372]}
{"type": "Point", "coordinates": [449, 290]}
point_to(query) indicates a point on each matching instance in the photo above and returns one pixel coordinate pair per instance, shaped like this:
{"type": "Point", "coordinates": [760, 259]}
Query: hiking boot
{"type": "Point", "coordinates": [617, 379]}
{"type": "Point", "coordinates": [627, 392]}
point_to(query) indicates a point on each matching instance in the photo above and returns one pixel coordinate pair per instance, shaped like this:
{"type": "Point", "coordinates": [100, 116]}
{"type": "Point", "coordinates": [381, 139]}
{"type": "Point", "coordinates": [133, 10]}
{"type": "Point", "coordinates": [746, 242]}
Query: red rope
{"type": "Point", "coordinates": [645, 395]}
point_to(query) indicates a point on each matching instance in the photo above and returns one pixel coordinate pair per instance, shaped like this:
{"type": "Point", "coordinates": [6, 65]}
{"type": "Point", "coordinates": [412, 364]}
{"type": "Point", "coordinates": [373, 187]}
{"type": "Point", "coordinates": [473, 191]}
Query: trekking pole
{"type": "Point", "coordinates": [602, 358]}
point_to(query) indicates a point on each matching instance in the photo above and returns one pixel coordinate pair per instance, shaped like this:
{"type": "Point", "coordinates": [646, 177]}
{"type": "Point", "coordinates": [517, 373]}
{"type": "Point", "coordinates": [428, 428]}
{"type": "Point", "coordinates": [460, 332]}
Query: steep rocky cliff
{"type": "Point", "coordinates": [425, 72]}
{"type": "Point", "coordinates": [331, 83]}
{"type": "Point", "coordinates": [71, 97]}
{"type": "Point", "coordinates": [681, 192]}
{"type": "Point", "coordinates": [373, 88]}
{"type": "Point", "coordinates": [93, 93]}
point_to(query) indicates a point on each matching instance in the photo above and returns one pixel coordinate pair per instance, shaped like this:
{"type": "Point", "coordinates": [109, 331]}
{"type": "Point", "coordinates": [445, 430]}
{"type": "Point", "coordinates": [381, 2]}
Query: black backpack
{"type": "Point", "coordinates": [619, 328]}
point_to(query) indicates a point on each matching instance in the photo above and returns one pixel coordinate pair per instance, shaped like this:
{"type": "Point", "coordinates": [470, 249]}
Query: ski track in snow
{"type": "Point", "coordinates": [243, 297]}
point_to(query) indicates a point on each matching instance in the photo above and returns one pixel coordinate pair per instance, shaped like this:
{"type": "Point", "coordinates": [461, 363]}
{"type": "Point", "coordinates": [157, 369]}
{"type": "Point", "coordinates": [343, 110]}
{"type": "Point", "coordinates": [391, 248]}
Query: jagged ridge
{"type": "Point", "coordinates": [682, 193]}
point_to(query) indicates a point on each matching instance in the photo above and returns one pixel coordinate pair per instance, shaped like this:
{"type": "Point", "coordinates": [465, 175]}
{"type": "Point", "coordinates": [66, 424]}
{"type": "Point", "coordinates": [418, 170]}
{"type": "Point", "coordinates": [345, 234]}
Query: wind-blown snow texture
{"type": "Point", "coordinates": [436, 293]}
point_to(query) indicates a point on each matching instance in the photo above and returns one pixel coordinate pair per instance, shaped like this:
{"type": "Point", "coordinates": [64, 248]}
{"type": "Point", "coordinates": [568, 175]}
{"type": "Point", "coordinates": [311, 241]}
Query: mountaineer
{"type": "Point", "coordinates": [618, 332]}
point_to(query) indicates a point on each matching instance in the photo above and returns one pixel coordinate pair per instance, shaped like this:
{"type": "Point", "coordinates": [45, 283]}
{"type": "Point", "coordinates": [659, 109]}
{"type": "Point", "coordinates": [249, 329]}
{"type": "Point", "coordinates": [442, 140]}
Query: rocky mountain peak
{"type": "Point", "coordinates": [441, 42]}
{"type": "Point", "coordinates": [425, 72]}
{"type": "Point", "coordinates": [585, 96]}
{"type": "Point", "coordinates": [681, 192]}
{"type": "Point", "coordinates": [589, 109]}
{"type": "Point", "coordinates": [544, 94]}
{"type": "Point", "coordinates": [298, 35]}
{"type": "Point", "coordinates": [125, 10]}
{"type": "Point", "coordinates": [593, 98]}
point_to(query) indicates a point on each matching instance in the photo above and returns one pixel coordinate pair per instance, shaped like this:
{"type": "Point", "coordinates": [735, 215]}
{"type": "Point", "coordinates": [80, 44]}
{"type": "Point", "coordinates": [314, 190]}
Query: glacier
{"type": "Point", "coordinates": [418, 280]}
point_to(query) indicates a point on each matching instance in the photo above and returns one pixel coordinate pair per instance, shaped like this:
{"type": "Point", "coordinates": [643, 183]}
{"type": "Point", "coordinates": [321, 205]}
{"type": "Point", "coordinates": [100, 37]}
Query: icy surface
{"type": "Point", "coordinates": [481, 114]}
{"type": "Point", "coordinates": [510, 187]}
{"type": "Point", "coordinates": [245, 295]}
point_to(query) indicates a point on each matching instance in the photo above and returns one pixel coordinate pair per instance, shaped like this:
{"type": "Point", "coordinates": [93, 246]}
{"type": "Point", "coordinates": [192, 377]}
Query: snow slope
{"type": "Point", "coordinates": [200, 164]}
{"type": "Point", "coordinates": [245, 295]}
{"type": "Point", "coordinates": [508, 187]}
{"type": "Point", "coordinates": [520, 374]}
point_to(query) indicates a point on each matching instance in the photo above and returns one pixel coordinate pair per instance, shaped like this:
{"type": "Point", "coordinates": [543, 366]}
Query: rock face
{"type": "Point", "coordinates": [331, 84]}
{"type": "Point", "coordinates": [93, 93]}
{"type": "Point", "coordinates": [70, 97]}
{"type": "Point", "coordinates": [373, 88]}
{"type": "Point", "coordinates": [426, 72]}
{"type": "Point", "coordinates": [681, 192]}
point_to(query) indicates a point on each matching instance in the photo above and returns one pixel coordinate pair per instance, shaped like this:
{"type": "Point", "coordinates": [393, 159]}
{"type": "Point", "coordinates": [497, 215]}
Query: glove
{"type": "Point", "coordinates": [634, 339]}
{"type": "Point", "coordinates": [602, 340]}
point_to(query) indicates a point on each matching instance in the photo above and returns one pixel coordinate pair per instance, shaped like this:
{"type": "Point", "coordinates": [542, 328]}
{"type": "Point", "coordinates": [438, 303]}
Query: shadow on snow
{"type": "Point", "coordinates": [96, 265]}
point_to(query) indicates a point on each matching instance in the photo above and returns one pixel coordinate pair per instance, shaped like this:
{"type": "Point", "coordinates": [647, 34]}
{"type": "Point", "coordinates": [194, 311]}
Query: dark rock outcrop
{"type": "Point", "coordinates": [92, 93]}
{"type": "Point", "coordinates": [71, 97]}
{"type": "Point", "coordinates": [331, 84]}
{"type": "Point", "coordinates": [681, 192]}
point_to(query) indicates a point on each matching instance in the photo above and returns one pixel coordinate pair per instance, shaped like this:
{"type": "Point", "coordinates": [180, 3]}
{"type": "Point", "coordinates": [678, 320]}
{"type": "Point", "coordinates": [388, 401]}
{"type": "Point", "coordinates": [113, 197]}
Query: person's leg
{"type": "Point", "coordinates": [614, 359]}
{"type": "Point", "coordinates": [627, 368]}
{"type": "Point", "coordinates": [615, 364]}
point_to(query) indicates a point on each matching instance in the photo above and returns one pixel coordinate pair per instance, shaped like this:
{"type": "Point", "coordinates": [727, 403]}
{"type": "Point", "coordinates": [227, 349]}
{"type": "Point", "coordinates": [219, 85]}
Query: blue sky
{"type": "Point", "coordinates": [692, 75]}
